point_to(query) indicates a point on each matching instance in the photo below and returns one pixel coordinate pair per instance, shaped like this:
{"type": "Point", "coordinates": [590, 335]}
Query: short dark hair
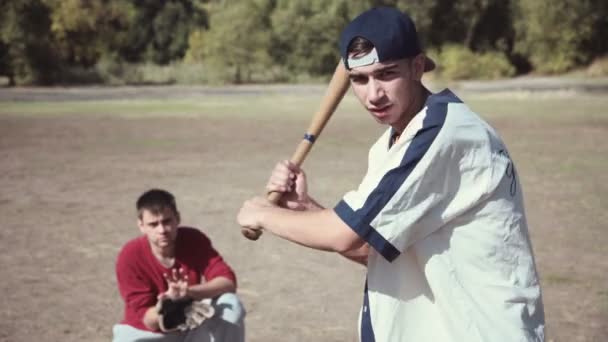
{"type": "Point", "coordinates": [360, 46]}
{"type": "Point", "coordinates": [155, 201]}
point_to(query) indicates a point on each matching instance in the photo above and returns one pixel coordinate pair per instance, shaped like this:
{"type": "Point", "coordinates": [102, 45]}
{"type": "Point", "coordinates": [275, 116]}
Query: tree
{"type": "Point", "coordinates": [86, 30]}
{"type": "Point", "coordinates": [6, 68]}
{"type": "Point", "coordinates": [25, 33]}
{"type": "Point", "coordinates": [554, 34]}
{"type": "Point", "coordinates": [5, 64]}
{"type": "Point", "coordinates": [306, 33]}
{"type": "Point", "coordinates": [160, 29]}
{"type": "Point", "coordinates": [479, 25]}
{"type": "Point", "coordinates": [238, 40]}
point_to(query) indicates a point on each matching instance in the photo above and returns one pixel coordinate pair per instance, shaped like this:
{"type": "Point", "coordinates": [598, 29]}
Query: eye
{"type": "Point", "coordinates": [385, 74]}
{"type": "Point", "coordinates": [358, 79]}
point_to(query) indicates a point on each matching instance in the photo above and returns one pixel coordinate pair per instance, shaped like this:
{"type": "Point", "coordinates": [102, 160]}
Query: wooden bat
{"type": "Point", "coordinates": [333, 95]}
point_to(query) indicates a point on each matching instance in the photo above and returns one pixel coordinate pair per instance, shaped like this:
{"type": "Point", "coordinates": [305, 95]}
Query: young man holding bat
{"type": "Point", "coordinates": [175, 285]}
{"type": "Point", "coordinates": [438, 219]}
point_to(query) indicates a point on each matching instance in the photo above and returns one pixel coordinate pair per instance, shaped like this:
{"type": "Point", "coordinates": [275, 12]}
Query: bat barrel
{"type": "Point", "coordinates": [338, 85]}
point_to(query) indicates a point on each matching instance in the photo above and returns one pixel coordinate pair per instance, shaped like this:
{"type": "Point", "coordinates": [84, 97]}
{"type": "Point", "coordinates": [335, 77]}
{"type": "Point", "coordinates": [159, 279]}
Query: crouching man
{"type": "Point", "coordinates": [179, 264]}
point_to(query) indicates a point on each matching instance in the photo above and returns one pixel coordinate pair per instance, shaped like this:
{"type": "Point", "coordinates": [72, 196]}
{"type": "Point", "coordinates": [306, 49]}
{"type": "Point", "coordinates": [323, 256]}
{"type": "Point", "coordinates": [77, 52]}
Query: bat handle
{"type": "Point", "coordinates": [253, 234]}
{"type": "Point", "coordinates": [274, 197]}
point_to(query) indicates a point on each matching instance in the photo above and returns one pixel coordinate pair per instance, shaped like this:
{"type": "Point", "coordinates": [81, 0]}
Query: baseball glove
{"type": "Point", "coordinates": [183, 314]}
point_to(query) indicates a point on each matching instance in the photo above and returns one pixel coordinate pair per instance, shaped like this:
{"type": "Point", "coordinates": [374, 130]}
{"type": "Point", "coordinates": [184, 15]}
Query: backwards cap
{"type": "Point", "coordinates": [392, 33]}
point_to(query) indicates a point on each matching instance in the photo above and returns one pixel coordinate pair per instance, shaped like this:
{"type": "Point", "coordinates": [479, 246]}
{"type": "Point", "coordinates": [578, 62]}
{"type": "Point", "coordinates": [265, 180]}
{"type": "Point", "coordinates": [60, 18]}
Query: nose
{"type": "Point", "coordinates": [164, 227]}
{"type": "Point", "coordinates": [375, 92]}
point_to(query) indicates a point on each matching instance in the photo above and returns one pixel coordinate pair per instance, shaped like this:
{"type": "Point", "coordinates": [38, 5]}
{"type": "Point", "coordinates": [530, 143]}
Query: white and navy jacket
{"type": "Point", "coordinates": [443, 210]}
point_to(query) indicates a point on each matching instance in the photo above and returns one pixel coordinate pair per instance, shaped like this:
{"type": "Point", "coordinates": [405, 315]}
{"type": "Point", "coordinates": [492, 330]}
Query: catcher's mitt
{"type": "Point", "coordinates": [183, 314]}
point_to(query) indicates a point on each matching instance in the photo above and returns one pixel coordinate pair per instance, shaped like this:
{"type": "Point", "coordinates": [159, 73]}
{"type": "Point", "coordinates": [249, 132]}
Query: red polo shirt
{"type": "Point", "coordinates": [140, 274]}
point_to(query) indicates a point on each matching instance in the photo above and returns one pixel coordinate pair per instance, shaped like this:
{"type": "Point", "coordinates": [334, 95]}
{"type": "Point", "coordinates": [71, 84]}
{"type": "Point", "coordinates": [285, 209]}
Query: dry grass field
{"type": "Point", "coordinates": [72, 165]}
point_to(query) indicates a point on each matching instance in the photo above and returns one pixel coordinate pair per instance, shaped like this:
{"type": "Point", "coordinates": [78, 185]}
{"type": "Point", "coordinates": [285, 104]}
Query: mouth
{"type": "Point", "coordinates": [379, 112]}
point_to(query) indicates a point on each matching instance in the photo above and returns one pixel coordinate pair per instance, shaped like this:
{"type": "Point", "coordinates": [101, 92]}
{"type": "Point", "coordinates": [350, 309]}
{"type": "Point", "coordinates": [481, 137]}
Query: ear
{"type": "Point", "coordinates": [418, 67]}
{"type": "Point", "coordinates": [178, 217]}
{"type": "Point", "coordinates": [140, 225]}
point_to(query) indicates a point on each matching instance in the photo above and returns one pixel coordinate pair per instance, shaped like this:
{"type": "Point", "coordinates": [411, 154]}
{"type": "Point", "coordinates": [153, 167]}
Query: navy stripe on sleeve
{"type": "Point", "coordinates": [360, 219]}
{"type": "Point", "coordinates": [365, 231]}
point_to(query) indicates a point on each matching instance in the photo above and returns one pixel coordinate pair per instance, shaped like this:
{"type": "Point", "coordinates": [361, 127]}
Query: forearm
{"type": "Point", "coordinates": [313, 204]}
{"type": "Point", "coordinates": [306, 204]}
{"type": "Point", "coordinates": [211, 288]}
{"type": "Point", "coordinates": [358, 255]}
{"type": "Point", "coordinates": [319, 229]}
{"type": "Point", "coordinates": [150, 319]}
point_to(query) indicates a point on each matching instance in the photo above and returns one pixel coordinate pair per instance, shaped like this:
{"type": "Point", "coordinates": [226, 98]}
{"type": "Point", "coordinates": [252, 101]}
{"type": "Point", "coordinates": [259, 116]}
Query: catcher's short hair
{"type": "Point", "coordinates": [155, 201]}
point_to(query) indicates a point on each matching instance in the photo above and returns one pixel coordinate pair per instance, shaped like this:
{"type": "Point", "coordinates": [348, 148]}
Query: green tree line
{"type": "Point", "coordinates": [76, 41]}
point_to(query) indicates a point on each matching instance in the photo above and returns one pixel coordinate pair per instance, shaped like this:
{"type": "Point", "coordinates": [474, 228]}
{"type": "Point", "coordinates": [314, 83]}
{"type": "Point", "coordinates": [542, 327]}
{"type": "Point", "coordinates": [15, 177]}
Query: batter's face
{"type": "Point", "coordinates": [390, 91]}
{"type": "Point", "coordinates": [160, 228]}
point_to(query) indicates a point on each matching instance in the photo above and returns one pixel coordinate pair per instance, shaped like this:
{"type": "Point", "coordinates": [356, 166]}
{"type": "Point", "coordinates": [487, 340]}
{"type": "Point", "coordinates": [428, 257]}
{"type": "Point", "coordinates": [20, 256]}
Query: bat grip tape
{"type": "Point", "coordinates": [309, 137]}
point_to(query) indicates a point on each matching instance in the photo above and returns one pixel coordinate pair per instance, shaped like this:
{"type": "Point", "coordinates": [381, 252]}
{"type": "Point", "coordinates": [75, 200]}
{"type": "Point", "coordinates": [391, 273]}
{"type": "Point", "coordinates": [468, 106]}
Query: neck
{"type": "Point", "coordinates": [417, 104]}
{"type": "Point", "coordinates": [163, 253]}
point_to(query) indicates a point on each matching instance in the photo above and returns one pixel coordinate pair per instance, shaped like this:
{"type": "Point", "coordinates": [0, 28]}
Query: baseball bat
{"type": "Point", "coordinates": [333, 95]}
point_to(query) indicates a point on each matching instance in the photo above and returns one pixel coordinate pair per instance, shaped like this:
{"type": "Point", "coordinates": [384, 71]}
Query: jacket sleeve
{"type": "Point", "coordinates": [432, 184]}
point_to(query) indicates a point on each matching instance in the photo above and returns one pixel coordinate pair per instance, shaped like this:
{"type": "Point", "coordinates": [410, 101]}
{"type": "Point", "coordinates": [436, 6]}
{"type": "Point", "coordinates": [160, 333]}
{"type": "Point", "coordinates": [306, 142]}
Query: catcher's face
{"type": "Point", "coordinates": [160, 228]}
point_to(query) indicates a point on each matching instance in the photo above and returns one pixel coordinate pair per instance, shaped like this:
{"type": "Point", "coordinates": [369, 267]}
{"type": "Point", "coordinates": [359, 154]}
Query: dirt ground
{"type": "Point", "coordinates": [68, 183]}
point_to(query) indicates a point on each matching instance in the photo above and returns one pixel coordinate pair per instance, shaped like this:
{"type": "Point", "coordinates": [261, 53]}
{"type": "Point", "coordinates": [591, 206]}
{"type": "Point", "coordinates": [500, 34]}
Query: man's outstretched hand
{"type": "Point", "coordinates": [177, 310]}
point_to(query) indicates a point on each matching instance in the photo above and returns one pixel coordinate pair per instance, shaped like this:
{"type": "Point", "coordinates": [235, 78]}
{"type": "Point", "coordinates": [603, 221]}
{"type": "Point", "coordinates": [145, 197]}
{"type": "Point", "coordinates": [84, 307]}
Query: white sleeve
{"type": "Point", "coordinates": [438, 179]}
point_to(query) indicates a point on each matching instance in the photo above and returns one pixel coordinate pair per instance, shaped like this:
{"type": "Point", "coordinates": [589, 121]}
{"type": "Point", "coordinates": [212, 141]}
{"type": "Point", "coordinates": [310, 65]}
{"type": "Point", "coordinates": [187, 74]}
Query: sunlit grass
{"type": "Point", "coordinates": [253, 107]}
{"type": "Point", "coordinates": [558, 105]}
{"type": "Point", "coordinates": [515, 105]}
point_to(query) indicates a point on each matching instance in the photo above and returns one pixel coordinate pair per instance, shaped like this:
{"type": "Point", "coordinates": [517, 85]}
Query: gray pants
{"type": "Point", "coordinates": [226, 326]}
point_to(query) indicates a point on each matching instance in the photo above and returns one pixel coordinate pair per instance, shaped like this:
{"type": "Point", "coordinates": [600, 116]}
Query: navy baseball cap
{"type": "Point", "coordinates": [392, 33]}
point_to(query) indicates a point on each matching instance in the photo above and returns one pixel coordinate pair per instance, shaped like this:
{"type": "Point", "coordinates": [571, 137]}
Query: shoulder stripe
{"type": "Point", "coordinates": [360, 220]}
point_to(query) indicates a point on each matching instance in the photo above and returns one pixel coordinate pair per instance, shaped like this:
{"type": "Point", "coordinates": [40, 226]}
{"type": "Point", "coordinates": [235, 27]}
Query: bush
{"type": "Point", "coordinates": [71, 75]}
{"type": "Point", "coordinates": [116, 72]}
{"type": "Point", "coordinates": [599, 67]}
{"type": "Point", "coordinates": [494, 65]}
{"type": "Point", "coordinates": [456, 62]}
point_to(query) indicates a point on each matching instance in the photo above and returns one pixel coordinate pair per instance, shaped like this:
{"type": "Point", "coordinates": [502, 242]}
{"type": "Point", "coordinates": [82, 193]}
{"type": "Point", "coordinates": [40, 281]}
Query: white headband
{"type": "Point", "coordinates": [357, 61]}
